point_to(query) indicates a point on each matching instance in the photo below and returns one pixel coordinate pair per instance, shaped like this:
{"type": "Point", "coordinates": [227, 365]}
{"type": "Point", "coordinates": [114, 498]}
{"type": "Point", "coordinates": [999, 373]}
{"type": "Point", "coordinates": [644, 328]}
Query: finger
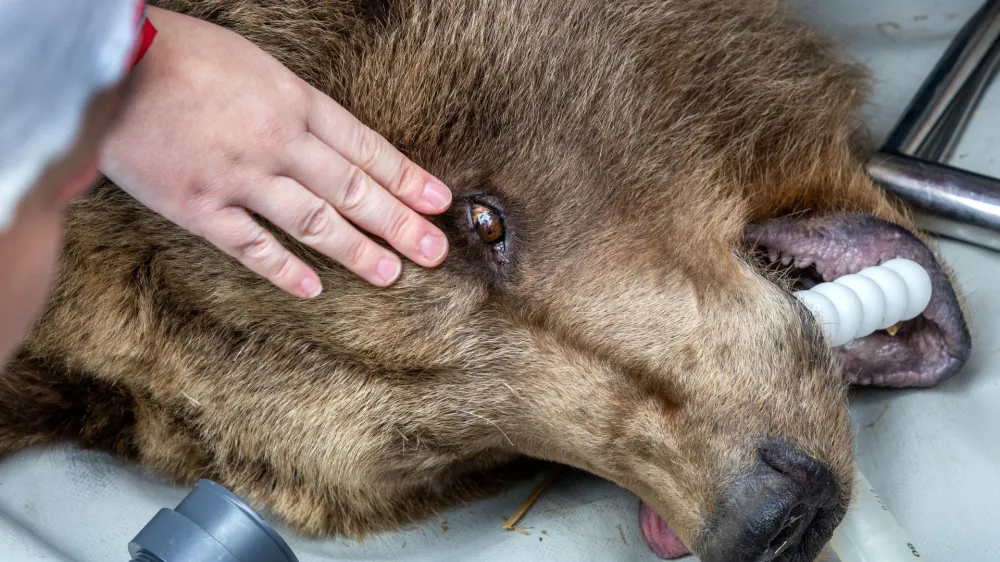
{"type": "Point", "coordinates": [236, 233]}
{"type": "Point", "coordinates": [369, 206]}
{"type": "Point", "coordinates": [314, 222]}
{"type": "Point", "coordinates": [368, 150]}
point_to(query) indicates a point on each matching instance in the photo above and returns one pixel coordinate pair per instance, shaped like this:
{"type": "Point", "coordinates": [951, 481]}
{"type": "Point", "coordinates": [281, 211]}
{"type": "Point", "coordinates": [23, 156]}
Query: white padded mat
{"type": "Point", "coordinates": [931, 454]}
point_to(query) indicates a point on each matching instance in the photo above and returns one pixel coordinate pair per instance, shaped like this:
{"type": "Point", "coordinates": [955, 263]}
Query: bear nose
{"type": "Point", "coordinates": [784, 510]}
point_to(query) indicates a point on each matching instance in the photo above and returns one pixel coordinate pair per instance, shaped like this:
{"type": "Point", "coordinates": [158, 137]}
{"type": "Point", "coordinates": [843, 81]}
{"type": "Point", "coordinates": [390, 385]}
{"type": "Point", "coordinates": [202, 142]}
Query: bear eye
{"type": "Point", "coordinates": [488, 223]}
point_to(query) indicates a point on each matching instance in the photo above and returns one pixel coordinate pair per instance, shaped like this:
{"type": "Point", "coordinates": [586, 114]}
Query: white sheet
{"type": "Point", "coordinates": [930, 453]}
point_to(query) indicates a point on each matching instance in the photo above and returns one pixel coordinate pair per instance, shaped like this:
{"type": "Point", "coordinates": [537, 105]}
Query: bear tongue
{"type": "Point", "coordinates": [658, 536]}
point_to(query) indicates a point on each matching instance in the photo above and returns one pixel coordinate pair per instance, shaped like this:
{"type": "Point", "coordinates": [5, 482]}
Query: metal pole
{"type": "Point", "coordinates": [936, 94]}
{"type": "Point", "coordinates": [946, 200]}
{"type": "Point", "coordinates": [947, 133]}
{"type": "Point", "coordinates": [950, 202]}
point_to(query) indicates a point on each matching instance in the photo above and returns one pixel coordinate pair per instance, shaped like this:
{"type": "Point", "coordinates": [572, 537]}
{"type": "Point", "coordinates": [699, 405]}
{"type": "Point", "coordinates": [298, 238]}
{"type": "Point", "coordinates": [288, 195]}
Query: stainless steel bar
{"type": "Point", "coordinates": [936, 94]}
{"type": "Point", "coordinates": [947, 132]}
{"type": "Point", "coordinates": [956, 230]}
{"type": "Point", "coordinates": [950, 202]}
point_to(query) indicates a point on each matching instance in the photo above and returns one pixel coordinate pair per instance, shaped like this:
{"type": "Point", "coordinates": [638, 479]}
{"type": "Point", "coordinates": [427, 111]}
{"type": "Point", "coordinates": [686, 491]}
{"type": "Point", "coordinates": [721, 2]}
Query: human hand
{"type": "Point", "coordinates": [218, 129]}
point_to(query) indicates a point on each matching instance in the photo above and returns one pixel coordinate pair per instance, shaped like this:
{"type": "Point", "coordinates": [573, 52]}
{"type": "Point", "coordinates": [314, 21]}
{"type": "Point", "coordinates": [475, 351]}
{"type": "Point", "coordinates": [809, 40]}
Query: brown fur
{"type": "Point", "coordinates": [626, 143]}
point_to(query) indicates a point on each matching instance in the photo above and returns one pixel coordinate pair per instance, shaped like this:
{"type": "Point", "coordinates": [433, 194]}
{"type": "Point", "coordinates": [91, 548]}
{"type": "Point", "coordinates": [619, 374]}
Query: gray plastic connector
{"type": "Point", "coordinates": [211, 524]}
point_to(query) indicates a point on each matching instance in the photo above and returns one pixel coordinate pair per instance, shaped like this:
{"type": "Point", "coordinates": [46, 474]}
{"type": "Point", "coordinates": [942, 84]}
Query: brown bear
{"type": "Point", "coordinates": [663, 174]}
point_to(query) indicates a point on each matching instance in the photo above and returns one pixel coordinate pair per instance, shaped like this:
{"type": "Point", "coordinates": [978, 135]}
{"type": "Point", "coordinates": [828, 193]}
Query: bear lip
{"type": "Point", "coordinates": [926, 350]}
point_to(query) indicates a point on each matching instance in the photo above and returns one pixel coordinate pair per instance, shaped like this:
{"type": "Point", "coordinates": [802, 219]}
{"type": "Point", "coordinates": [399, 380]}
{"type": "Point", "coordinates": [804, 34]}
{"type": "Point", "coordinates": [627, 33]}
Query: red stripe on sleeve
{"type": "Point", "coordinates": [145, 35]}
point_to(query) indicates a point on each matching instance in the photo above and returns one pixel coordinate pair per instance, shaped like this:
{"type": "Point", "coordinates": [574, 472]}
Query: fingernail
{"type": "Point", "coordinates": [388, 270]}
{"type": "Point", "coordinates": [432, 247]}
{"type": "Point", "coordinates": [311, 287]}
{"type": "Point", "coordinates": [437, 195]}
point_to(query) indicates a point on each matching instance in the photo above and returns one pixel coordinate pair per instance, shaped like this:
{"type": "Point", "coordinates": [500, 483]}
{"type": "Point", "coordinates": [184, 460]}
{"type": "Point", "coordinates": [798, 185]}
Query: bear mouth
{"type": "Point", "coordinates": [802, 252]}
{"type": "Point", "coordinates": [917, 353]}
